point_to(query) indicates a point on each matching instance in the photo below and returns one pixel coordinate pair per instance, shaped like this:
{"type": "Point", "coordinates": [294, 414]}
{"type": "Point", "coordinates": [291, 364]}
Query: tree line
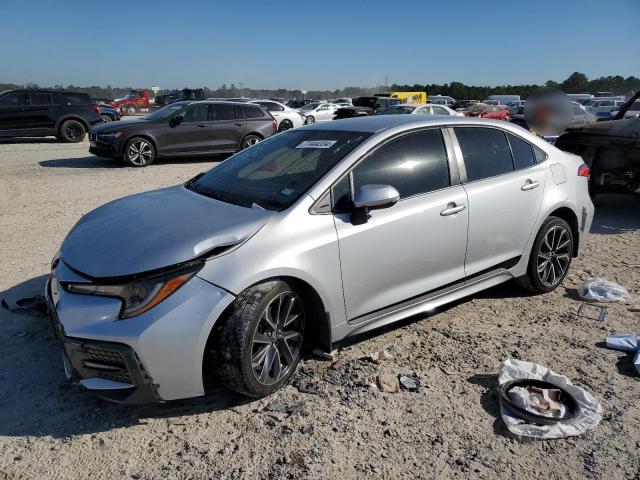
{"type": "Point", "coordinates": [576, 83]}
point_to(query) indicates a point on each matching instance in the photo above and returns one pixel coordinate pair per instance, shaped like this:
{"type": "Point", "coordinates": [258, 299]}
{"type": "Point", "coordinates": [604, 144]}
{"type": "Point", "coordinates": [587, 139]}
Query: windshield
{"type": "Point", "coordinates": [165, 112]}
{"type": "Point", "coordinates": [310, 106]}
{"type": "Point", "coordinates": [397, 110]}
{"type": "Point", "coordinates": [276, 172]}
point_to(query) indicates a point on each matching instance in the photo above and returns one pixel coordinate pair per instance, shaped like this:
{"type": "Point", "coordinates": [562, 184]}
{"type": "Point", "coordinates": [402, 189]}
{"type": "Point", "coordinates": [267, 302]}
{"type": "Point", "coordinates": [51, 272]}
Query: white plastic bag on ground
{"type": "Point", "coordinates": [603, 290]}
{"type": "Point", "coordinates": [590, 409]}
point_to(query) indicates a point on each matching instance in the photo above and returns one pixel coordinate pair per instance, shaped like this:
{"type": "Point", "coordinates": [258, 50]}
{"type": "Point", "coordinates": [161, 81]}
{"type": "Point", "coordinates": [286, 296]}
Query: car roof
{"type": "Point", "coordinates": [378, 123]}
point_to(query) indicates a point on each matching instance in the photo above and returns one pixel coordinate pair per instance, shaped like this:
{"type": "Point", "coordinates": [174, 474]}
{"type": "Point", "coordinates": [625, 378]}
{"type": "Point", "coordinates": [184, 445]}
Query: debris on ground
{"type": "Point", "coordinates": [37, 302]}
{"type": "Point", "coordinates": [627, 342]}
{"type": "Point", "coordinates": [409, 382]}
{"type": "Point", "coordinates": [388, 383]}
{"type": "Point", "coordinates": [594, 312]}
{"type": "Point", "coordinates": [602, 290]}
{"type": "Point", "coordinates": [331, 356]}
{"type": "Point", "coordinates": [379, 357]}
{"type": "Point", "coordinates": [586, 413]}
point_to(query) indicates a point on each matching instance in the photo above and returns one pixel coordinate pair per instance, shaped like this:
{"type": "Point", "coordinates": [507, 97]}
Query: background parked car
{"type": "Point", "coordinates": [286, 117]}
{"type": "Point", "coordinates": [183, 129]}
{"type": "Point", "coordinates": [318, 112]}
{"type": "Point", "coordinates": [42, 113]}
{"type": "Point", "coordinates": [580, 115]}
{"type": "Point", "coordinates": [109, 114]}
{"type": "Point", "coordinates": [179, 96]}
{"type": "Point", "coordinates": [421, 109]}
{"type": "Point", "coordinates": [137, 100]}
{"type": "Point", "coordinates": [462, 104]}
{"type": "Point", "coordinates": [598, 105]}
{"type": "Point", "coordinates": [364, 106]}
{"type": "Point", "coordinates": [441, 100]}
{"type": "Point", "coordinates": [297, 104]}
{"type": "Point", "coordinates": [494, 112]}
{"type": "Point", "coordinates": [632, 111]}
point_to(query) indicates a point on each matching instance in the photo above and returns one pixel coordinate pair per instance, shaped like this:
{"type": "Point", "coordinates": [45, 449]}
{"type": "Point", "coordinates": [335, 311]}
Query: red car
{"type": "Point", "coordinates": [493, 112]}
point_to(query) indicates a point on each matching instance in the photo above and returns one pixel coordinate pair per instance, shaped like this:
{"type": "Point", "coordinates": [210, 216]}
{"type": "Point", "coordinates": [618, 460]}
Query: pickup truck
{"type": "Point", "coordinates": [136, 100]}
{"type": "Point", "coordinates": [179, 96]}
{"type": "Point", "coordinates": [364, 106]}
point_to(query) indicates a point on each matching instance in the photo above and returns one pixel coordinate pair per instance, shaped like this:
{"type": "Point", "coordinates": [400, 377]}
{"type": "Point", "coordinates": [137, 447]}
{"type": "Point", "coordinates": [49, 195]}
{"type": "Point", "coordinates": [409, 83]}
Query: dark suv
{"type": "Point", "coordinates": [183, 129]}
{"type": "Point", "coordinates": [42, 113]}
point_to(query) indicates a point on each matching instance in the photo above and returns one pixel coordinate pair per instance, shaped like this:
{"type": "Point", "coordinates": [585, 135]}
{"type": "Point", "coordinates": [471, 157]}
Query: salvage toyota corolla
{"type": "Point", "coordinates": [304, 239]}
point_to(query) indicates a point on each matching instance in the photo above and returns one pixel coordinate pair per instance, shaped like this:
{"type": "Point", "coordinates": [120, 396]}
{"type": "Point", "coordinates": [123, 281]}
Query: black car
{"type": "Point", "coordinates": [183, 129]}
{"type": "Point", "coordinates": [179, 96]}
{"type": "Point", "coordinates": [299, 103]}
{"type": "Point", "coordinates": [42, 113]}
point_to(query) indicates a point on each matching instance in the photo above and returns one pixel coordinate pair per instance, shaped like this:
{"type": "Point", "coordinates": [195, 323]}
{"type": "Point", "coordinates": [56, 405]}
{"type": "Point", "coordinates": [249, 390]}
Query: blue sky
{"type": "Point", "coordinates": [315, 45]}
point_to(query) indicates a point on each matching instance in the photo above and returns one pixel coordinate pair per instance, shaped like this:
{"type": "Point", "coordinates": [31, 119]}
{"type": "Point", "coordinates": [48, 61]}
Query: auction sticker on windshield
{"type": "Point", "coordinates": [317, 144]}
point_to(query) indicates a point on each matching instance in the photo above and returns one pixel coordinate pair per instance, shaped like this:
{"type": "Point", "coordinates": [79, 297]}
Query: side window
{"type": "Point", "coordinates": [272, 107]}
{"type": "Point", "coordinates": [324, 107]}
{"type": "Point", "coordinates": [439, 111]}
{"type": "Point", "coordinates": [522, 152]}
{"type": "Point", "coordinates": [13, 99]}
{"type": "Point", "coordinates": [485, 151]}
{"type": "Point", "coordinates": [251, 112]}
{"type": "Point", "coordinates": [577, 110]}
{"type": "Point", "coordinates": [38, 99]}
{"type": "Point", "coordinates": [196, 113]}
{"type": "Point", "coordinates": [415, 163]}
{"type": "Point", "coordinates": [224, 111]}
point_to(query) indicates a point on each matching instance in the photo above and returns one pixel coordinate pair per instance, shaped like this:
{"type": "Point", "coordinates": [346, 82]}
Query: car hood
{"type": "Point", "coordinates": [118, 126]}
{"type": "Point", "coordinates": [613, 128]}
{"type": "Point", "coordinates": [155, 229]}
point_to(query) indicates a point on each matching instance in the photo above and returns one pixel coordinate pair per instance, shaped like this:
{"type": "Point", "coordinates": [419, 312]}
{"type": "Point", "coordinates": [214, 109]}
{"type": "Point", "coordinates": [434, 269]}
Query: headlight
{"type": "Point", "coordinates": [137, 296]}
{"type": "Point", "coordinates": [110, 137]}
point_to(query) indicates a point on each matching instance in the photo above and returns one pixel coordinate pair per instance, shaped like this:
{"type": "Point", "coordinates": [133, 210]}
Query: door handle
{"type": "Point", "coordinates": [238, 124]}
{"type": "Point", "coordinates": [452, 209]}
{"type": "Point", "coordinates": [529, 185]}
{"type": "Point", "coordinates": [202, 126]}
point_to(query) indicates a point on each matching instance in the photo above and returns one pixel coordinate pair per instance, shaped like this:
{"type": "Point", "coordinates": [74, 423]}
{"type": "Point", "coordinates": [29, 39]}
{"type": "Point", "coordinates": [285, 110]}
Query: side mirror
{"type": "Point", "coordinates": [370, 197]}
{"type": "Point", "coordinates": [175, 121]}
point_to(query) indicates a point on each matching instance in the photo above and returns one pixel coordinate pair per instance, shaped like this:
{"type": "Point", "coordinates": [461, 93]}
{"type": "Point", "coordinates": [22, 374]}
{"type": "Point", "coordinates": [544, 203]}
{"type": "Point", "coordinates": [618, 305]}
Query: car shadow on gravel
{"type": "Point", "coordinates": [615, 214]}
{"type": "Point", "coordinates": [38, 401]}
{"type": "Point", "coordinates": [104, 162]}
{"type": "Point", "coordinates": [27, 140]}
{"type": "Point", "coordinates": [489, 400]}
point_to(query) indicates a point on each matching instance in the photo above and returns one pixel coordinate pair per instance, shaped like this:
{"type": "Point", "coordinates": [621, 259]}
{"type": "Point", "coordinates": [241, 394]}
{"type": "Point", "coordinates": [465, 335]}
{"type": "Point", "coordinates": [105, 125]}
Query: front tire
{"type": "Point", "coordinates": [72, 131]}
{"type": "Point", "coordinates": [139, 152]}
{"type": "Point", "coordinates": [131, 110]}
{"type": "Point", "coordinates": [259, 346]}
{"type": "Point", "coordinates": [550, 257]}
{"type": "Point", "coordinates": [309, 120]}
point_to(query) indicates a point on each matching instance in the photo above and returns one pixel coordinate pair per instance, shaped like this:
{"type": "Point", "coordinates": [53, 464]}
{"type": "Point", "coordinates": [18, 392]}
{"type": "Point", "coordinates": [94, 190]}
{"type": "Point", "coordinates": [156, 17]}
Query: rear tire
{"type": "Point", "coordinates": [72, 131]}
{"type": "Point", "coordinates": [131, 110]}
{"type": "Point", "coordinates": [105, 118]}
{"type": "Point", "coordinates": [139, 152]}
{"type": "Point", "coordinates": [285, 125]}
{"type": "Point", "coordinates": [550, 257]}
{"type": "Point", "coordinates": [257, 348]}
{"type": "Point", "coordinates": [249, 141]}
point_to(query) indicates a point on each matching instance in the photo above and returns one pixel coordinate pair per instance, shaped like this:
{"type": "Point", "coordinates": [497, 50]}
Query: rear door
{"type": "Point", "coordinates": [42, 112]}
{"type": "Point", "coordinates": [228, 126]}
{"type": "Point", "coordinates": [505, 194]}
{"type": "Point", "coordinates": [14, 114]}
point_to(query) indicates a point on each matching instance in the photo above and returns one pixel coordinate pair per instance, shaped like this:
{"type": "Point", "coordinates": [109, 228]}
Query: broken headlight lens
{"type": "Point", "coordinates": [137, 296]}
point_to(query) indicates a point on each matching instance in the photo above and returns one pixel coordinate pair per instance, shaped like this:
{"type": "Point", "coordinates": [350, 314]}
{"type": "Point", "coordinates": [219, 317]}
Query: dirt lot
{"type": "Point", "coordinates": [340, 428]}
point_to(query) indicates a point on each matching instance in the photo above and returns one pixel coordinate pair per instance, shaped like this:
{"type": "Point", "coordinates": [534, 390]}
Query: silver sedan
{"type": "Point", "coordinates": [309, 237]}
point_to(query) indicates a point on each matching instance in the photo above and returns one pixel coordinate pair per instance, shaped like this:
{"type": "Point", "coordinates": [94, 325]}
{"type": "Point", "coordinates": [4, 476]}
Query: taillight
{"type": "Point", "coordinates": [274, 124]}
{"type": "Point", "coordinates": [96, 108]}
{"type": "Point", "coordinates": [584, 170]}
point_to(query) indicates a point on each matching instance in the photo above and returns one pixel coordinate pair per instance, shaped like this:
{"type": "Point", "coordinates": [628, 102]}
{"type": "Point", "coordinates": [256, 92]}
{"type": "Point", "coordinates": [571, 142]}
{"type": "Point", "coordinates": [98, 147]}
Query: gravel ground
{"type": "Point", "coordinates": [330, 423]}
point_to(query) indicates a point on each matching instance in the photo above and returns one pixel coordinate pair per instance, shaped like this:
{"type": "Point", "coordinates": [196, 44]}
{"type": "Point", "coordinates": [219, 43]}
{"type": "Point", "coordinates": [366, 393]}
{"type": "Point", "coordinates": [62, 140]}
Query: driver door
{"type": "Point", "coordinates": [413, 247]}
{"type": "Point", "coordinates": [191, 131]}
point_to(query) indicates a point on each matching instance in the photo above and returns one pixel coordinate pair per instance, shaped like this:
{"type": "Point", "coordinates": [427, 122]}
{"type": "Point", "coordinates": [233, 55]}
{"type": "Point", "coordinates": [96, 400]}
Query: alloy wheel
{"type": "Point", "coordinates": [249, 142]}
{"type": "Point", "coordinates": [140, 153]}
{"type": "Point", "coordinates": [554, 256]}
{"type": "Point", "coordinates": [277, 339]}
{"type": "Point", "coordinates": [73, 131]}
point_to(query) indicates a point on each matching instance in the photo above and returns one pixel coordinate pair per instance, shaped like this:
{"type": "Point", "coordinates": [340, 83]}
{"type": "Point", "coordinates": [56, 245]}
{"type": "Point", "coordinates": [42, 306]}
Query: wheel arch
{"type": "Point", "coordinates": [568, 215]}
{"type": "Point", "coordinates": [318, 331]}
{"type": "Point", "coordinates": [72, 117]}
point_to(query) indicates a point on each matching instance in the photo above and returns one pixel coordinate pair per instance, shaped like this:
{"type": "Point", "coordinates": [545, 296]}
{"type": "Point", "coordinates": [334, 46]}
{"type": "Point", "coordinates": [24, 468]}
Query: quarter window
{"type": "Point", "coordinates": [522, 152]}
{"type": "Point", "coordinates": [251, 112]}
{"type": "Point", "coordinates": [485, 151]}
{"type": "Point", "coordinates": [415, 163]}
